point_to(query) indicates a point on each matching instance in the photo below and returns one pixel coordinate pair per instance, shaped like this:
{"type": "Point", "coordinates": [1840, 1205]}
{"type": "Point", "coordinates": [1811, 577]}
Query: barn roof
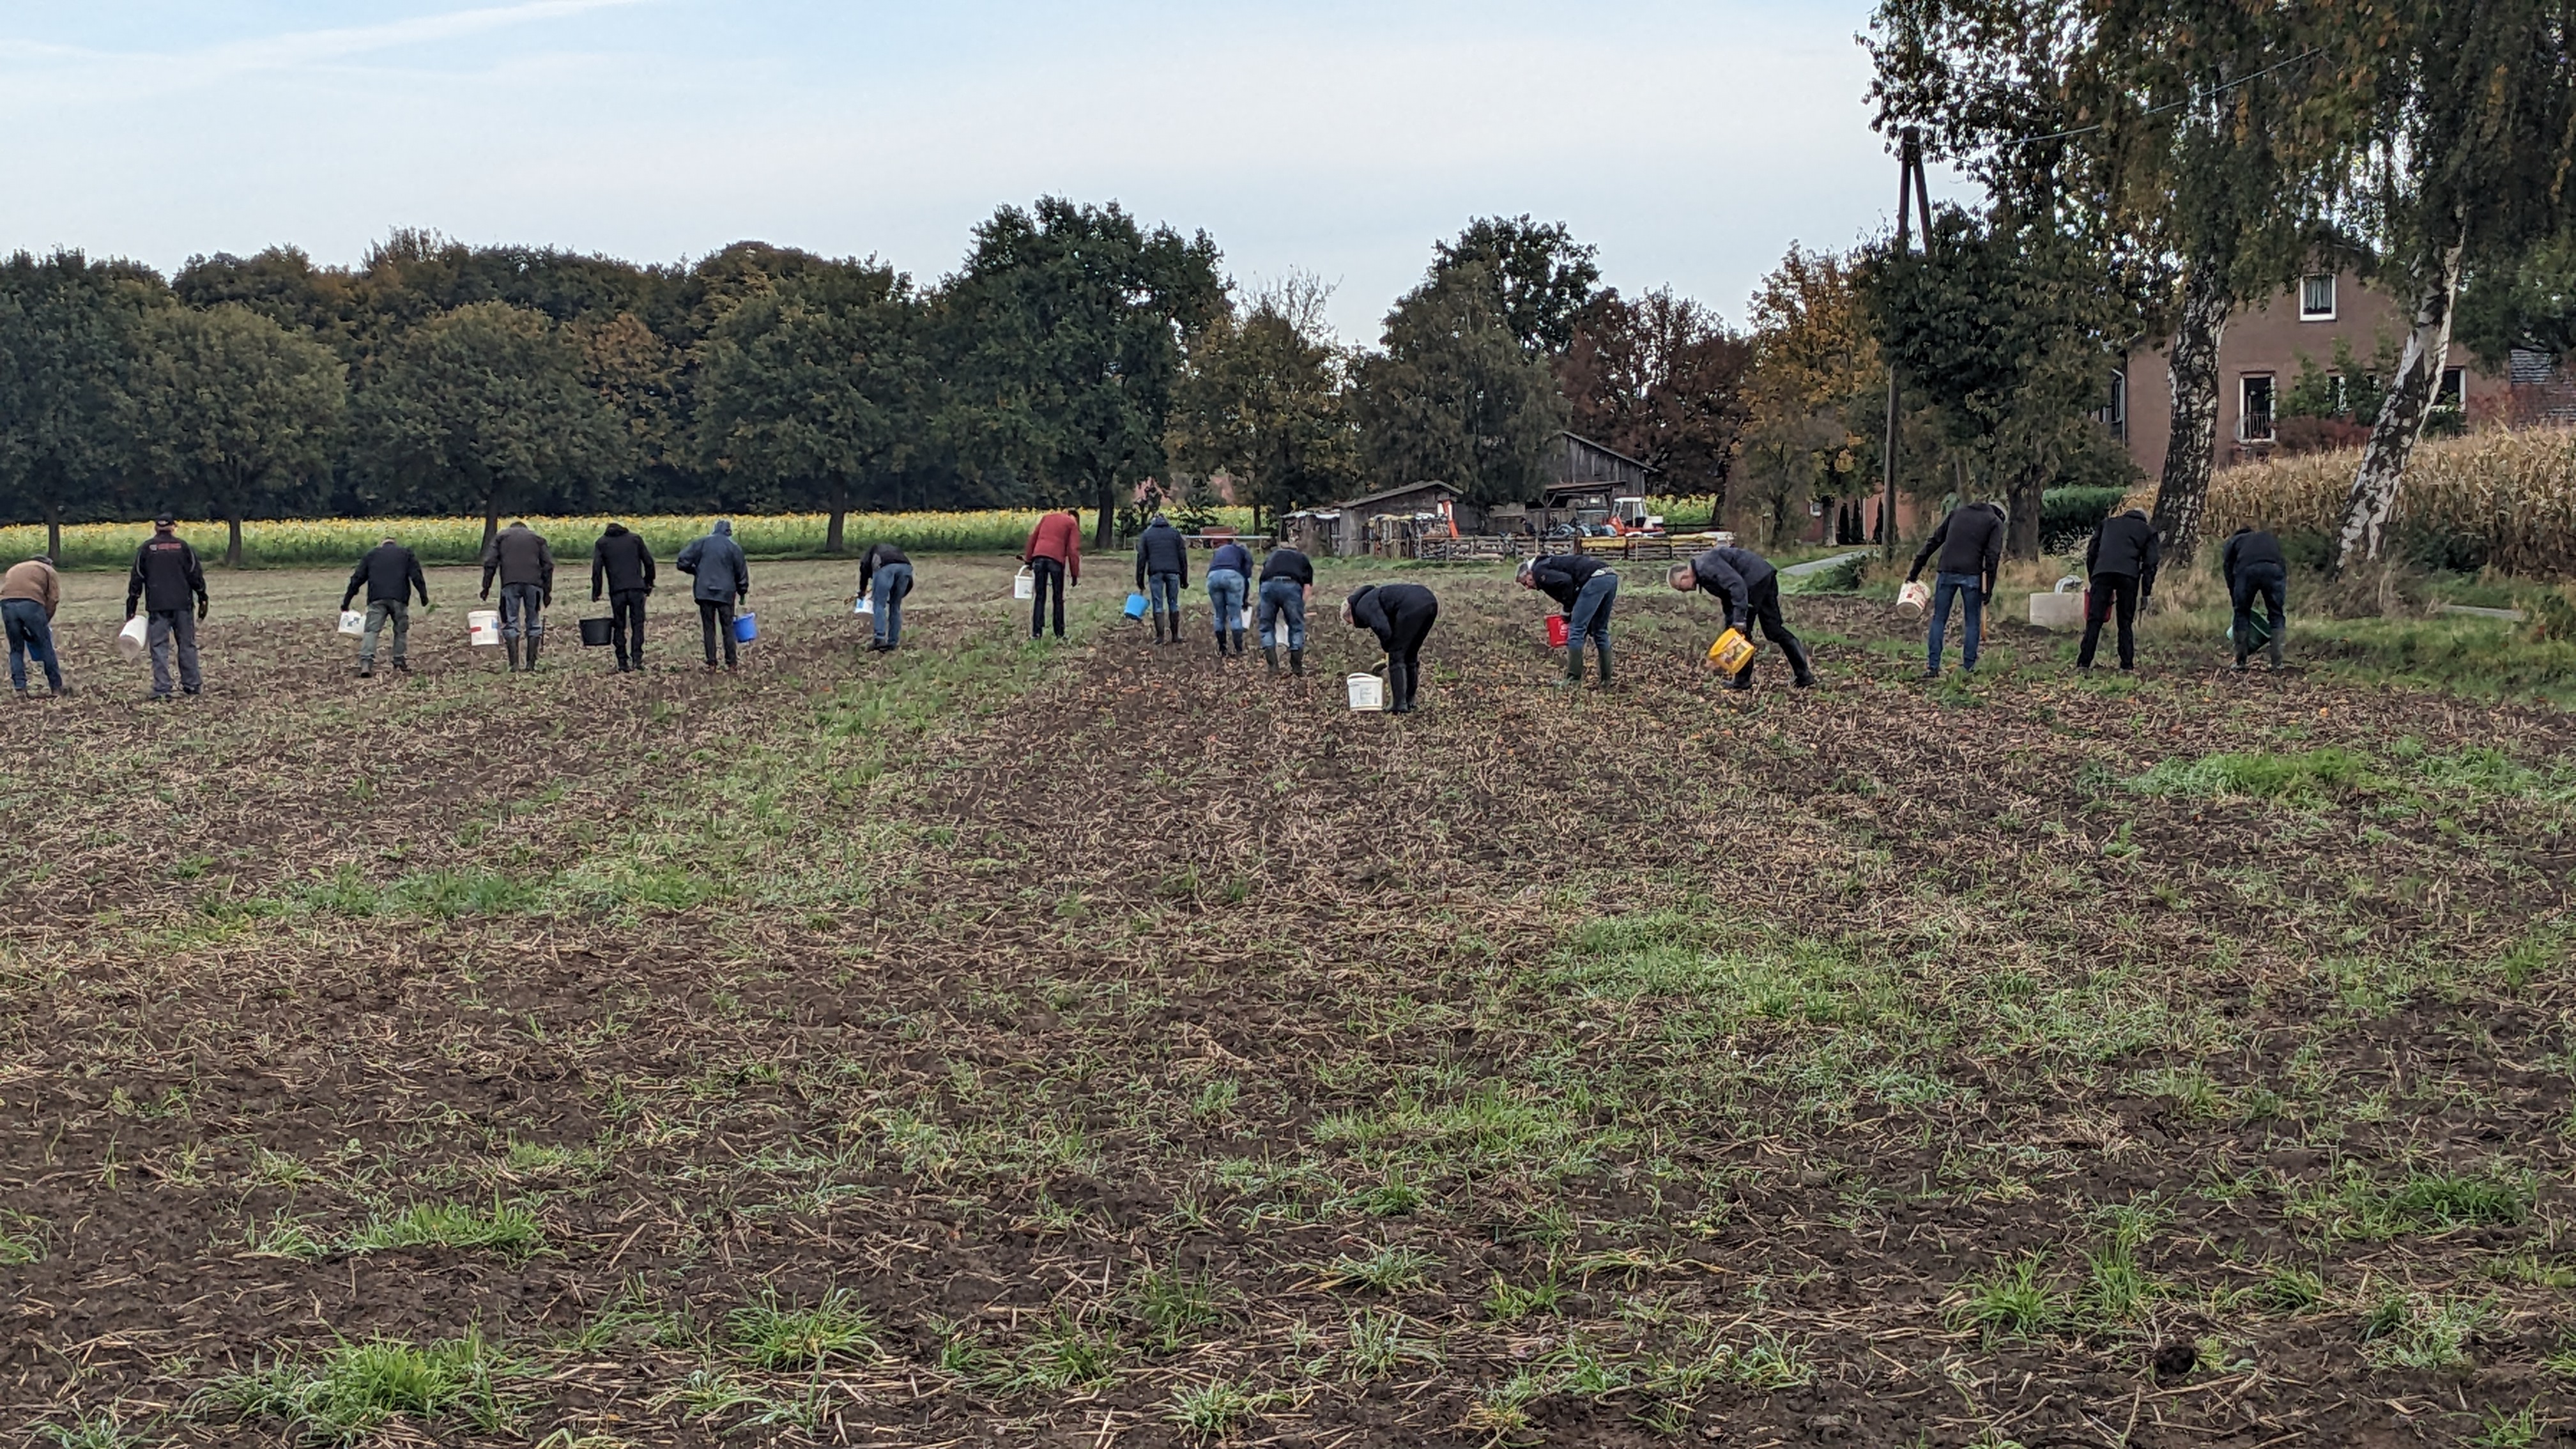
{"type": "Point", "coordinates": [1383, 495]}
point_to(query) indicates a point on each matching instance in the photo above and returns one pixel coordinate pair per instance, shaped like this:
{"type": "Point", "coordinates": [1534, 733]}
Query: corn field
{"type": "Point", "coordinates": [325, 542]}
{"type": "Point", "coordinates": [2504, 500]}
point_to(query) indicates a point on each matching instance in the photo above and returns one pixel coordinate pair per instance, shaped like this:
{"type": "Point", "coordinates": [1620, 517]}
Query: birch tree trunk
{"type": "Point", "coordinates": [2410, 399]}
{"type": "Point", "coordinates": [2191, 442]}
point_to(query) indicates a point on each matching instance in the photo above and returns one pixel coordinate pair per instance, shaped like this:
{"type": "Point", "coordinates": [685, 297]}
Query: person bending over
{"type": "Point", "coordinates": [390, 573]}
{"type": "Point", "coordinates": [1287, 591]}
{"type": "Point", "coordinates": [1746, 583]}
{"type": "Point", "coordinates": [2255, 569]}
{"type": "Point", "coordinates": [1401, 616]}
{"type": "Point", "coordinates": [1162, 571]}
{"type": "Point", "coordinates": [887, 570]}
{"type": "Point", "coordinates": [1228, 573]}
{"type": "Point", "coordinates": [1585, 588]}
{"type": "Point", "coordinates": [1971, 544]}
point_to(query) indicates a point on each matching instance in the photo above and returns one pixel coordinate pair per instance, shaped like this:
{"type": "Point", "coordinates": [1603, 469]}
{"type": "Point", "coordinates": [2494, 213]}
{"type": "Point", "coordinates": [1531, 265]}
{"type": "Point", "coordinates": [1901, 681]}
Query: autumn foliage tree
{"type": "Point", "coordinates": [1661, 379]}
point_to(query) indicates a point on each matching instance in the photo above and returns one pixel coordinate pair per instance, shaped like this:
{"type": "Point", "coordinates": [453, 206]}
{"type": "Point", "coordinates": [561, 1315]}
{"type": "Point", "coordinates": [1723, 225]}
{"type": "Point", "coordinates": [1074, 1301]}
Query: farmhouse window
{"type": "Point", "coordinates": [2254, 408]}
{"type": "Point", "coordinates": [2317, 298]}
{"type": "Point", "coordinates": [2114, 412]}
{"type": "Point", "coordinates": [2455, 388]}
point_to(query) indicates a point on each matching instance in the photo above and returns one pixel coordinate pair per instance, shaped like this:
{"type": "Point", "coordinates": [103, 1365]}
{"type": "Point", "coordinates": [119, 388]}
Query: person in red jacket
{"type": "Point", "coordinates": [1054, 554]}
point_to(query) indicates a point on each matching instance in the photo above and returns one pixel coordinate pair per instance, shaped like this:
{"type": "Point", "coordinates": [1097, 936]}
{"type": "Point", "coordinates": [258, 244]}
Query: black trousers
{"type": "Point", "coordinates": [2111, 592]}
{"type": "Point", "coordinates": [1404, 658]}
{"type": "Point", "coordinates": [625, 612]}
{"type": "Point", "coordinates": [716, 617]}
{"type": "Point", "coordinates": [1050, 577]}
{"type": "Point", "coordinates": [1764, 606]}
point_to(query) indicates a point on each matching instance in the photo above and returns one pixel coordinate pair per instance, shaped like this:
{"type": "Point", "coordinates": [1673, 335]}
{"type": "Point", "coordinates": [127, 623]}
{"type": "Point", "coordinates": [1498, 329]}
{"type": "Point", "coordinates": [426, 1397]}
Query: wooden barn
{"type": "Point", "coordinates": [1385, 523]}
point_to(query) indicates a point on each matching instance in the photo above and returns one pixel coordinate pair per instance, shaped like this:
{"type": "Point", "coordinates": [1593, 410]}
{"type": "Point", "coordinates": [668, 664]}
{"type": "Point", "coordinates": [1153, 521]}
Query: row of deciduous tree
{"type": "Point", "coordinates": [2151, 165]}
{"type": "Point", "coordinates": [1074, 353]}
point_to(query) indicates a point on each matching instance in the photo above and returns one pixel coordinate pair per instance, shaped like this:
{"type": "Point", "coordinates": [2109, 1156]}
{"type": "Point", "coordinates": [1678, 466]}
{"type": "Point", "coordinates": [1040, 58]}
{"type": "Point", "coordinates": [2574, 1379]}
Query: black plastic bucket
{"type": "Point", "coordinates": [594, 633]}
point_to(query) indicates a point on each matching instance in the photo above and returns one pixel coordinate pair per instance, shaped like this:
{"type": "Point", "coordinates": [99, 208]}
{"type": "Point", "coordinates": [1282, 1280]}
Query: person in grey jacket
{"type": "Point", "coordinates": [526, 567]}
{"type": "Point", "coordinates": [1162, 571]}
{"type": "Point", "coordinates": [723, 580]}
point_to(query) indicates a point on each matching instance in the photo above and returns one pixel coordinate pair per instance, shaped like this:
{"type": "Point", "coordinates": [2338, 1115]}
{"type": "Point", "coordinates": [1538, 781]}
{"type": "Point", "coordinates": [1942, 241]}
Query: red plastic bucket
{"type": "Point", "coordinates": [1557, 631]}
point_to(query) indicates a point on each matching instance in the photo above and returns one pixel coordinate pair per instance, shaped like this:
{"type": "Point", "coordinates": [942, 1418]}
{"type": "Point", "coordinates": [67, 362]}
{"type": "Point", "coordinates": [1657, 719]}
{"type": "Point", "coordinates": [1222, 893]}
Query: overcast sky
{"type": "Point", "coordinates": [1692, 142]}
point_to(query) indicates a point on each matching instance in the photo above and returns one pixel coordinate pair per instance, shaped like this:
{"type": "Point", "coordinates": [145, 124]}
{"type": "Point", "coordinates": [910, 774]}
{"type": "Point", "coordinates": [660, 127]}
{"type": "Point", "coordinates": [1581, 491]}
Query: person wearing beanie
{"type": "Point", "coordinates": [1162, 571]}
{"type": "Point", "coordinates": [723, 578]}
{"type": "Point", "coordinates": [1750, 588]}
{"type": "Point", "coordinates": [1229, 576]}
{"type": "Point", "coordinates": [1585, 588]}
{"type": "Point", "coordinates": [166, 573]}
{"type": "Point", "coordinates": [390, 574]}
{"type": "Point", "coordinates": [1287, 589]}
{"type": "Point", "coordinates": [1401, 616]}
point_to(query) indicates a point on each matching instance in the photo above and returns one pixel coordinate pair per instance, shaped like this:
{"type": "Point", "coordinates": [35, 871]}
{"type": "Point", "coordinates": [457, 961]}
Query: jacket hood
{"type": "Point", "coordinates": [1158, 521]}
{"type": "Point", "coordinates": [615, 529]}
{"type": "Point", "coordinates": [2133, 513]}
{"type": "Point", "coordinates": [724, 526]}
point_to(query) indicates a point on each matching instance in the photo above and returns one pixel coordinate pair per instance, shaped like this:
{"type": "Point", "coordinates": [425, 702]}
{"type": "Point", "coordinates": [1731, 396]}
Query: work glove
{"type": "Point", "coordinates": [201, 609]}
{"type": "Point", "coordinates": [546, 599]}
{"type": "Point", "coordinates": [487, 593]}
{"type": "Point", "coordinates": [594, 596]}
{"type": "Point", "coordinates": [129, 609]}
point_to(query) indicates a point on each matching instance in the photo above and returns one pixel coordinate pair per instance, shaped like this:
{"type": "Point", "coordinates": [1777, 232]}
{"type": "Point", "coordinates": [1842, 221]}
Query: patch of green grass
{"type": "Point", "coordinates": [442, 894]}
{"type": "Point", "coordinates": [1389, 1270]}
{"type": "Point", "coordinates": [773, 1336]}
{"type": "Point", "coordinates": [1505, 1303]}
{"type": "Point", "coordinates": [2489, 659]}
{"type": "Point", "coordinates": [2424, 1202]}
{"type": "Point", "coordinates": [2305, 777]}
{"type": "Point", "coordinates": [2290, 1290]}
{"type": "Point", "coordinates": [2419, 1332]}
{"type": "Point", "coordinates": [1380, 1342]}
{"type": "Point", "coordinates": [2019, 1301]}
{"type": "Point", "coordinates": [2500, 1430]}
{"type": "Point", "coordinates": [362, 1389]}
{"type": "Point", "coordinates": [22, 1239]}
{"type": "Point", "coordinates": [1066, 1354]}
{"type": "Point", "coordinates": [1215, 1409]}
{"type": "Point", "coordinates": [1173, 1306]}
{"type": "Point", "coordinates": [507, 1229]}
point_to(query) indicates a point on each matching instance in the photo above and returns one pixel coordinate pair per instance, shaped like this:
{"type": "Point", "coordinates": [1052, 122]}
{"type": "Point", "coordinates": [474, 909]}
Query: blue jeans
{"type": "Point", "coordinates": [523, 610]}
{"type": "Point", "coordinates": [888, 586]}
{"type": "Point", "coordinates": [1973, 586]}
{"type": "Point", "coordinates": [30, 632]}
{"type": "Point", "coordinates": [2255, 581]}
{"type": "Point", "coordinates": [1283, 597]}
{"type": "Point", "coordinates": [1163, 594]}
{"type": "Point", "coordinates": [1590, 616]}
{"type": "Point", "coordinates": [1225, 597]}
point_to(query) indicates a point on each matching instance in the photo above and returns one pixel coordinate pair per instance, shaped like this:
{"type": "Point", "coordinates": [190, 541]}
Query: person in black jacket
{"type": "Point", "coordinates": [1162, 571]}
{"type": "Point", "coordinates": [2121, 561]}
{"type": "Point", "coordinates": [889, 570]}
{"type": "Point", "coordinates": [621, 566]}
{"type": "Point", "coordinates": [2254, 568]}
{"type": "Point", "coordinates": [166, 573]}
{"type": "Point", "coordinates": [1971, 544]}
{"type": "Point", "coordinates": [1401, 616]}
{"type": "Point", "coordinates": [390, 574]}
{"type": "Point", "coordinates": [1585, 588]}
{"type": "Point", "coordinates": [1750, 588]}
{"type": "Point", "coordinates": [1287, 591]}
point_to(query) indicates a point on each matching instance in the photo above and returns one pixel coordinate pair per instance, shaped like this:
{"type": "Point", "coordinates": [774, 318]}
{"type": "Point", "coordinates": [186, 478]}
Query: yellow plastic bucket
{"type": "Point", "coordinates": [1730, 653]}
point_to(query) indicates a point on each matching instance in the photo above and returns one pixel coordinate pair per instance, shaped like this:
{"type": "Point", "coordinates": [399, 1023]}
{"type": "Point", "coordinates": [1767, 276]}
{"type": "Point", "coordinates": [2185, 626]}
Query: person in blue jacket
{"type": "Point", "coordinates": [1229, 577]}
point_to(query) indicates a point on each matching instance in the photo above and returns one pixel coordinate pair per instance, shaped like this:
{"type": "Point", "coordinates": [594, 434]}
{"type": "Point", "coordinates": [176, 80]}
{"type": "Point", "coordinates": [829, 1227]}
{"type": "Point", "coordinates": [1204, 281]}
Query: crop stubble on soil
{"type": "Point", "coordinates": [1128, 1047]}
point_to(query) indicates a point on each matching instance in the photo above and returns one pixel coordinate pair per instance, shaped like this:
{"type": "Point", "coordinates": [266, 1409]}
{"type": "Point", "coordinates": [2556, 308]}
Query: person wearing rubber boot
{"type": "Point", "coordinates": [723, 582]}
{"type": "Point", "coordinates": [1162, 571]}
{"type": "Point", "coordinates": [2121, 563]}
{"type": "Point", "coordinates": [1971, 544]}
{"type": "Point", "coordinates": [885, 577]}
{"type": "Point", "coordinates": [1229, 573]}
{"type": "Point", "coordinates": [518, 556]}
{"type": "Point", "coordinates": [1401, 616]}
{"type": "Point", "coordinates": [1750, 588]}
{"type": "Point", "coordinates": [165, 573]}
{"type": "Point", "coordinates": [390, 573]}
{"type": "Point", "coordinates": [621, 566]}
{"type": "Point", "coordinates": [2255, 569]}
{"type": "Point", "coordinates": [1585, 588]}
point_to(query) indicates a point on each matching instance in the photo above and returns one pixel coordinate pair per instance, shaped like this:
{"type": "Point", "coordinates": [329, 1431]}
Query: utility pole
{"type": "Point", "coordinates": [1911, 194]}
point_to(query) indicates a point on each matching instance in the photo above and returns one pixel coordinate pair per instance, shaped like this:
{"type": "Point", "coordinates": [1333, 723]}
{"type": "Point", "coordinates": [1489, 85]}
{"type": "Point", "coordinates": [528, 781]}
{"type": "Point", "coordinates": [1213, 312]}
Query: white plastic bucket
{"type": "Point", "coordinates": [1246, 625]}
{"type": "Point", "coordinates": [1915, 595]}
{"type": "Point", "coordinates": [482, 627]}
{"type": "Point", "coordinates": [1368, 692]}
{"type": "Point", "coordinates": [135, 639]}
{"type": "Point", "coordinates": [353, 621]}
{"type": "Point", "coordinates": [866, 607]}
{"type": "Point", "coordinates": [1024, 585]}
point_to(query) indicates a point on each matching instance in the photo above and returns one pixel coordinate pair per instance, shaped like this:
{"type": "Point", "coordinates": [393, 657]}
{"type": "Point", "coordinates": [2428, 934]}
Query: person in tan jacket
{"type": "Point", "coordinates": [29, 595]}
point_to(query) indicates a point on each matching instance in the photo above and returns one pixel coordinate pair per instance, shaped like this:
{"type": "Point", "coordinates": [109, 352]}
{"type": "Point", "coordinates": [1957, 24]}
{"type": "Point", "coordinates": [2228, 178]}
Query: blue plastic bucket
{"type": "Point", "coordinates": [744, 630]}
{"type": "Point", "coordinates": [1135, 606]}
